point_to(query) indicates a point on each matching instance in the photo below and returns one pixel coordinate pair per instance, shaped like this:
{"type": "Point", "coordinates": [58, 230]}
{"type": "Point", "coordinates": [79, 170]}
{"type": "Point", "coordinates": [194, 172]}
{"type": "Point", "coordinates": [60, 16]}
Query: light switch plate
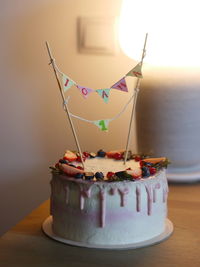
{"type": "Point", "coordinates": [97, 35]}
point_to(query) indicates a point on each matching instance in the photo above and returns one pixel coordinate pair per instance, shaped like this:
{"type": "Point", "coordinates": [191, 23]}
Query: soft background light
{"type": "Point", "coordinates": [173, 31]}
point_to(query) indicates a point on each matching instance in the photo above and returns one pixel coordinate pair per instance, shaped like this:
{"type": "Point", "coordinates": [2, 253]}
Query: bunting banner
{"type": "Point", "coordinates": [104, 93]}
{"type": "Point", "coordinates": [136, 71]}
{"type": "Point", "coordinates": [102, 124]}
{"type": "Point", "coordinates": [67, 82]}
{"type": "Point", "coordinates": [84, 91]}
{"type": "Point", "coordinates": [121, 85]}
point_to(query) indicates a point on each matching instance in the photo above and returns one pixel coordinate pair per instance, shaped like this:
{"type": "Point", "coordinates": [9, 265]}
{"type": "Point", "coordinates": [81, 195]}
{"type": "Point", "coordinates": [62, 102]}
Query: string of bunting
{"type": "Point", "coordinates": [104, 93]}
{"type": "Point", "coordinates": [103, 123]}
{"type": "Point", "coordinates": [121, 85]}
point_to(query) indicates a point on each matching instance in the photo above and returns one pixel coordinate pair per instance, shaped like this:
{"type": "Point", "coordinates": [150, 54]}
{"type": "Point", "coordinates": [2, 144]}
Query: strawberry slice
{"type": "Point", "coordinates": [69, 170]}
{"type": "Point", "coordinates": [154, 160]}
{"type": "Point", "coordinates": [70, 156]}
{"type": "Point", "coordinates": [114, 153]}
{"type": "Point", "coordinates": [136, 173]}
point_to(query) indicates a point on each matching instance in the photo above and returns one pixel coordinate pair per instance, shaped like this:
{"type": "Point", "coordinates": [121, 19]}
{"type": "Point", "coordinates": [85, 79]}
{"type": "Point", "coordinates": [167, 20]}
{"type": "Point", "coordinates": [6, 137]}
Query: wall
{"type": "Point", "coordinates": [34, 129]}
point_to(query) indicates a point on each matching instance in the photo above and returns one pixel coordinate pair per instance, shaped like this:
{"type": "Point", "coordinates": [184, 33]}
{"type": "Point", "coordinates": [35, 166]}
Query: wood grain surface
{"type": "Point", "coordinates": [26, 245]}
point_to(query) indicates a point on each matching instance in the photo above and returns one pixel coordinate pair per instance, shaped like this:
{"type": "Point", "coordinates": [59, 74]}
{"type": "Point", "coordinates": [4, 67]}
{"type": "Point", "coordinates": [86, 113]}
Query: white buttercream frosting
{"type": "Point", "coordinates": [108, 165]}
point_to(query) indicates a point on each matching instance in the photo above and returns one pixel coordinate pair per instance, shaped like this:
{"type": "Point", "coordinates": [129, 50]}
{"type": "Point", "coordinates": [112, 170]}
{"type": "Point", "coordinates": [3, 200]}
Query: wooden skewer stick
{"type": "Point", "coordinates": [134, 101]}
{"type": "Point", "coordinates": [64, 102]}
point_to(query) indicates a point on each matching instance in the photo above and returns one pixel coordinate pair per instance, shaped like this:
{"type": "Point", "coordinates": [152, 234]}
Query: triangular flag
{"type": "Point", "coordinates": [67, 82]}
{"type": "Point", "coordinates": [102, 124]}
{"type": "Point", "coordinates": [136, 71]}
{"type": "Point", "coordinates": [104, 93]}
{"type": "Point", "coordinates": [84, 91]}
{"type": "Point", "coordinates": [121, 85]}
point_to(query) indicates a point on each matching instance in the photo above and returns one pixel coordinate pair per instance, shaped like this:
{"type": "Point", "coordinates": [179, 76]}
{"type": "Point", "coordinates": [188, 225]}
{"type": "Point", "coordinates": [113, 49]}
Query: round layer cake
{"type": "Point", "coordinates": [108, 203]}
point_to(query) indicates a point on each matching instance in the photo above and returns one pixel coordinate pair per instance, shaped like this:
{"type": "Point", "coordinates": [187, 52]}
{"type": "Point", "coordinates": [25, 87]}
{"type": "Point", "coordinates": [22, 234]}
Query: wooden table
{"type": "Point", "coordinates": [26, 245]}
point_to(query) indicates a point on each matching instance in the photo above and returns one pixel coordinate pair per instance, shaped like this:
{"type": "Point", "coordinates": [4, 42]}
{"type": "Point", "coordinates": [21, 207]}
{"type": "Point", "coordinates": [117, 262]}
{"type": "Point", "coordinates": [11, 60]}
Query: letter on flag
{"type": "Point", "coordinates": [84, 91]}
{"type": "Point", "coordinates": [121, 85]}
{"type": "Point", "coordinates": [102, 124]}
{"type": "Point", "coordinates": [104, 93]}
{"type": "Point", "coordinates": [136, 71]}
{"type": "Point", "coordinates": [67, 82]}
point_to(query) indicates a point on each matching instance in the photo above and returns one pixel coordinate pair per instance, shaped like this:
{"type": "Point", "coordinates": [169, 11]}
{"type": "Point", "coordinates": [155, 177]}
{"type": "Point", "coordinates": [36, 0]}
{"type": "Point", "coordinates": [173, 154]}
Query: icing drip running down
{"type": "Point", "coordinates": [149, 199]}
{"type": "Point", "coordinates": [85, 192]}
{"type": "Point", "coordinates": [138, 199]}
{"type": "Point", "coordinates": [157, 186]}
{"type": "Point", "coordinates": [102, 197]}
{"type": "Point", "coordinates": [123, 193]}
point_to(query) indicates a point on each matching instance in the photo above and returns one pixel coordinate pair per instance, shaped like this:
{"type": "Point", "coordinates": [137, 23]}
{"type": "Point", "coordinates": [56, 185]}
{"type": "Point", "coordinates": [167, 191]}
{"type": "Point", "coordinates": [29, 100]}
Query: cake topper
{"type": "Point", "coordinates": [104, 93]}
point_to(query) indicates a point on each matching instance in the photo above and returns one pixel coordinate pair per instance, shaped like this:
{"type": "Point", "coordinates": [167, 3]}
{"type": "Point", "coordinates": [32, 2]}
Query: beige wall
{"type": "Point", "coordinates": [34, 130]}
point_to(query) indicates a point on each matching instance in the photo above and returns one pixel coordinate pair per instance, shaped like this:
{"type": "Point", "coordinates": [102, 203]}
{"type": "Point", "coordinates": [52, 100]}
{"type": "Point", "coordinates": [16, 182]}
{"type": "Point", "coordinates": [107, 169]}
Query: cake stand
{"type": "Point", "coordinates": [47, 228]}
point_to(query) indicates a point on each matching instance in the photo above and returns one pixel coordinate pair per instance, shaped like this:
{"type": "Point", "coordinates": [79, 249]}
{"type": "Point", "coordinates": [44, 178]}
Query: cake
{"type": "Point", "coordinates": [108, 204]}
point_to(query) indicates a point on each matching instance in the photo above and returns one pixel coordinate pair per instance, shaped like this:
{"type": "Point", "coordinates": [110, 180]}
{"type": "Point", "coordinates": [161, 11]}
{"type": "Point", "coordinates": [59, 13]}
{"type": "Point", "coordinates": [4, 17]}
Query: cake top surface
{"type": "Point", "coordinates": [108, 166]}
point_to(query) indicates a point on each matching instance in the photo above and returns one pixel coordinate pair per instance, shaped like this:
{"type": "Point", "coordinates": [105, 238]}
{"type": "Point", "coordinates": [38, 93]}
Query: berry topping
{"type": "Point", "coordinates": [110, 175]}
{"type": "Point", "coordinates": [79, 167]}
{"type": "Point", "coordinates": [63, 161]}
{"type": "Point", "coordinates": [57, 165]}
{"type": "Point", "coordinates": [145, 172]}
{"type": "Point", "coordinates": [152, 170]}
{"type": "Point", "coordinates": [99, 176]}
{"type": "Point", "coordinates": [118, 156]}
{"type": "Point", "coordinates": [154, 160]}
{"type": "Point", "coordinates": [136, 173]}
{"type": "Point", "coordinates": [86, 154]}
{"type": "Point", "coordinates": [137, 158]}
{"type": "Point", "coordinates": [79, 158]}
{"type": "Point", "coordinates": [79, 175]}
{"type": "Point", "coordinates": [123, 175]}
{"type": "Point", "coordinates": [89, 175]}
{"type": "Point", "coordinates": [93, 155]}
{"type": "Point", "coordinates": [112, 154]}
{"type": "Point", "coordinates": [101, 153]}
{"type": "Point", "coordinates": [69, 170]}
{"type": "Point", "coordinates": [70, 156]}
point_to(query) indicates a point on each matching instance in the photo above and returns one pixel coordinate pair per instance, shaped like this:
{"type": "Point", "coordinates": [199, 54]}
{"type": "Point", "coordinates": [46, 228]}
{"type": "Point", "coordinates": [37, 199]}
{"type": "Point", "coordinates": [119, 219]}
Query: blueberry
{"type": "Point", "coordinates": [79, 175]}
{"type": "Point", "coordinates": [148, 163]}
{"type": "Point", "coordinates": [89, 175]}
{"type": "Point", "coordinates": [145, 172]}
{"type": "Point", "coordinates": [63, 161]}
{"type": "Point", "coordinates": [101, 153]}
{"type": "Point", "coordinates": [99, 175]}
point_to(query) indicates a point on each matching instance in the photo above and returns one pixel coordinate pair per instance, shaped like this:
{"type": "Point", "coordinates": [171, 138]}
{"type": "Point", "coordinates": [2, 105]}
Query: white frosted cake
{"type": "Point", "coordinates": [108, 203]}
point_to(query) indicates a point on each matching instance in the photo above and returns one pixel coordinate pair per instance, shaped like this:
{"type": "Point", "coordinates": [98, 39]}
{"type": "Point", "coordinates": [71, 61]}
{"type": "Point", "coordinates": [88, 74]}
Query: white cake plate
{"type": "Point", "coordinates": [184, 177]}
{"type": "Point", "coordinates": [47, 228]}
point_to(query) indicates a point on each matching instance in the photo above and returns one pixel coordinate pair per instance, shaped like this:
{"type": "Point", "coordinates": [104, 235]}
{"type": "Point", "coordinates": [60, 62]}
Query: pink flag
{"type": "Point", "coordinates": [121, 85]}
{"type": "Point", "coordinates": [84, 91]}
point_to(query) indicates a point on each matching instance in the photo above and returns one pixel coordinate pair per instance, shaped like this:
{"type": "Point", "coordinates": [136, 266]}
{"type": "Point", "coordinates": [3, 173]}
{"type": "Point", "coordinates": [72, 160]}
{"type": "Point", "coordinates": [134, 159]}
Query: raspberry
{"type": "Point", "coordinates": [80, 168]}
{"type": "Point", "coordinates": [152, 170]}
{"type": "Point", "coordinates": [137, 158]}
{"type": "Point", "coordinates": [110, 174]}
{"type": "Point", "coordinates": [117, 156]}
{"type": "Point", "coordinates": [86, 154]}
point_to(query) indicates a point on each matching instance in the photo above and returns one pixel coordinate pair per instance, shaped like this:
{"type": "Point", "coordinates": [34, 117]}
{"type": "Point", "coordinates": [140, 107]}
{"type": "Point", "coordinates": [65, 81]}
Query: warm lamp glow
{"type": "Point", "coordinates": [173, 28]}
